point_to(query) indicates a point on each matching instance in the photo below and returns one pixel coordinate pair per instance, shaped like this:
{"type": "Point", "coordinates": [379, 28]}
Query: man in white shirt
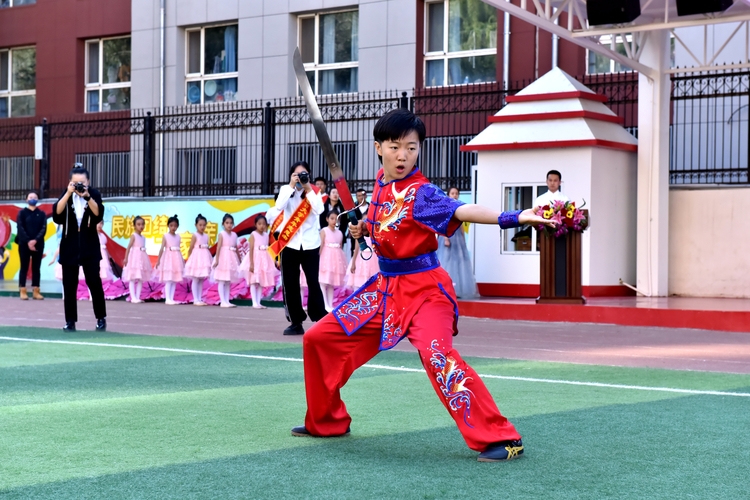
{"type": "Point", "coordinates": [554, 178]}
{"type": "Point", "coordinates": [303, 249]}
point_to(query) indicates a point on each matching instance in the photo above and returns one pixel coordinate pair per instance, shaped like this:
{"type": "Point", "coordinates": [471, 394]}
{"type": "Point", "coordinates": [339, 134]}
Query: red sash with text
{"type": "Point", "coordinates": [290, 229]}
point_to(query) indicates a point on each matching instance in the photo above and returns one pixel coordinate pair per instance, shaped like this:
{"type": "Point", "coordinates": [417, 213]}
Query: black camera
{"type": "Point", "coordinates": [304, 177]}
{"type": "Point", "coordinates": [79, 187]}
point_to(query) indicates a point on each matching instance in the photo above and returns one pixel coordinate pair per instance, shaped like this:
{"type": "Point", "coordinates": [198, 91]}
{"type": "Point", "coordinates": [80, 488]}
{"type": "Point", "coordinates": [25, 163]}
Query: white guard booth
{"type": "Point", "coordinates": [556, 123]}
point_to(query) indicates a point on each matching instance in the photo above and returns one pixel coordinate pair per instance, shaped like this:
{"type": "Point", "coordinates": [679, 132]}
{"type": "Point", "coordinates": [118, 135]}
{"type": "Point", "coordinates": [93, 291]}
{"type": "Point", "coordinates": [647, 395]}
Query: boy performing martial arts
{"type": "Point", "coordinates": [412, 297]}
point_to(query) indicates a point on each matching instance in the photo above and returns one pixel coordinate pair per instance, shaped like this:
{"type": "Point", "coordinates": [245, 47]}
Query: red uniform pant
{"type": "Point", "coordinates": [331, 357]}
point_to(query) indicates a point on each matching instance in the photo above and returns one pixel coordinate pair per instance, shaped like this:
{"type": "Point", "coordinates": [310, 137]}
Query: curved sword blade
{"type": "Point", "coordinates": [317, 119]}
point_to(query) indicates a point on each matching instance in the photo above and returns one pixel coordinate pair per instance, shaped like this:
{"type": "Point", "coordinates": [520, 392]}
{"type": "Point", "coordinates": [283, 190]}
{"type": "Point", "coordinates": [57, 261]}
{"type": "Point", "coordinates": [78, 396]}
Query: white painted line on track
{"type": "Point", "coordinates": [386, 367]}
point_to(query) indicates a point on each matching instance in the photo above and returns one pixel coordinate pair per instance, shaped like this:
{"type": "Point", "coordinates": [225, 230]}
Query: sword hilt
{"type": "Point", "coordinates": [346, 199]}
{"type": "Point", "coordinates": [364, 250]}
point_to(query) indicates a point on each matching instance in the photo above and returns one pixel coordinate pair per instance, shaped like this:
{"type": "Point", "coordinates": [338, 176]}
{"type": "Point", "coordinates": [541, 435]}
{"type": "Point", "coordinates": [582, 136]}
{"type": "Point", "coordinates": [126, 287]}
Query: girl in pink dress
{"type": "Point", "coordinates": [332, 259]}
{"type": "Point", "coordinates": [227, 262]}
{"type": "Point", "coordinates": [198, 266]}
{"type": "Point", "coordinates": [169, 264]}
{"type": "Point", "coordinates": [261, 272]}
{"type": "Point", "coordinates": [136, 268]}
{"type": "Point", "coordinates": [361, 270]}
{"type": "Point", "coordinates": [105, 268]}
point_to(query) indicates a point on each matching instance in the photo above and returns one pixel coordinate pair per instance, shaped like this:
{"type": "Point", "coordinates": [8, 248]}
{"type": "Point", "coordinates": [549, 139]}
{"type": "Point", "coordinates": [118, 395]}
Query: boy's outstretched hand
{"type": "Point", "coordinates": [529, 217]}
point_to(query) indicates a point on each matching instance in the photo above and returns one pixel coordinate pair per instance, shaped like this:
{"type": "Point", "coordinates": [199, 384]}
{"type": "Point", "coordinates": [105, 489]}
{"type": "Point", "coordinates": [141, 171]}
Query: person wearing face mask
{"type": "Point", "coordinates": [78, 211]}
{"type": "Point", "coordinates": [32, 225]}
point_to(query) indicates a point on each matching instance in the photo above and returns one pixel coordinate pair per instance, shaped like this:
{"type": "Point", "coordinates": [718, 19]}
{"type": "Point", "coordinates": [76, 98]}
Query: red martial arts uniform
{"type": "Point", "coordinates": [411, 297]}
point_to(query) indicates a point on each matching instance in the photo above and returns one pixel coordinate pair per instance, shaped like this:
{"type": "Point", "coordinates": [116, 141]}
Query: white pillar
{"type": "Point", "coordinates": [652, 261]}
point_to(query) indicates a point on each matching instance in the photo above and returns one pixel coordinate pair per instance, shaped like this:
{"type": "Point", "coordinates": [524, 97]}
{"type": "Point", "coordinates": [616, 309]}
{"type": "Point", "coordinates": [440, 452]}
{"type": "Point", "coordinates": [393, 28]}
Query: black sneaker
{"type": "Point", "coordinates": [294, 330]}
{"type": "Point", "coordinates": [301, 431]}
{"type": "Point", "coordinates": [70, 326]}
{"type": "Point", "coordinates": [101, 325]}
{"type": "Point", "coordinates": [507, 450]}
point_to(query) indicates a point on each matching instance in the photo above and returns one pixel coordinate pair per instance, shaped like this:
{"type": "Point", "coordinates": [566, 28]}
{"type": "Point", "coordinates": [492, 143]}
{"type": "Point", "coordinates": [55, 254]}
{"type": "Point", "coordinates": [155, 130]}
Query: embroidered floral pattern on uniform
{"type": "Point", "coordinates": [358, 306]}
{"type": "Point", "coordinates": [391, 335]}
{"type": "Point", "coordinates": [451, 380]}
{"type": "Point", "coordinates": [396, 210]}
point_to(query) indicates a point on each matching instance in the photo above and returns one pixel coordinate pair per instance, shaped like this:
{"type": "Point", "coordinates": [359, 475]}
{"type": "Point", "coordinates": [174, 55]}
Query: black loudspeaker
{"type": "Point", "coordinates": [692, 7]}
{"type": "Point", "coordinates": [612, 11]}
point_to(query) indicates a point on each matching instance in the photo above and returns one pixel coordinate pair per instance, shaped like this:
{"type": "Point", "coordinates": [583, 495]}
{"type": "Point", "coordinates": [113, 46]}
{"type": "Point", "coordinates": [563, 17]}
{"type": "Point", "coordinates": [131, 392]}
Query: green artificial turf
{"type": "Point", "coordinates": [81, 421]}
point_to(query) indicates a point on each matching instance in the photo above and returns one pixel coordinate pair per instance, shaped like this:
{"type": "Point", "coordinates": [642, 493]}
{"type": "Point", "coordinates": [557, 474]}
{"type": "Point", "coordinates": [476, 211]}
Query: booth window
{"type": "Point", "coordinates": [460, 45]}
{"type": "Point", "coordinates": [18, 82]}
{"type": "Point", "coordinates": [329, 46]}
{"type": "Point", "coordinates": [108, 74]}
{"type": "Point", "coordinates": [520, 197]}
{"type": "Point", "coordinates": [211, 64]}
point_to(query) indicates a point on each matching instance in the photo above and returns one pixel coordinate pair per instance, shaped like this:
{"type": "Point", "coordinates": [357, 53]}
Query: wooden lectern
{"type": "Point", "coordinates": [560, 271]}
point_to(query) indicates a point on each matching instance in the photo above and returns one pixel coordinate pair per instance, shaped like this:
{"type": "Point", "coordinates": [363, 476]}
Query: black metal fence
{"type": "Point", "coordinates": [245, 148]}
{"type": "Point", "coordinates": [710, 133]}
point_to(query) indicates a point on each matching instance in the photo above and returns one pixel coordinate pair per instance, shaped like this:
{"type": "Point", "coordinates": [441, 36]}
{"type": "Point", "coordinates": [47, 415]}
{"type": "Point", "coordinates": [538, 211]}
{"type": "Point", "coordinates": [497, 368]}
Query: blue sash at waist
{"type": "Point", "coordinates": [418, 264]}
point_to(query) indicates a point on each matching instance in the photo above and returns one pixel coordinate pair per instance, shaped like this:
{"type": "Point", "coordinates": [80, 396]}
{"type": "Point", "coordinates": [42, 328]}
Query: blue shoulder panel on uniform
{"type": "Point", "coordinates": [434, 209]}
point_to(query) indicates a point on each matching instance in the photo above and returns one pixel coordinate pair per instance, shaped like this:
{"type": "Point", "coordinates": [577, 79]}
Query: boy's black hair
{"type": "Point", "coordinates": [297, 164]}
{"type": "Point", "coordinates": [259, 217]}
{"type": "Point", "coordinates": [554, 172]}
{"type": "Point", "coordinates": [454, 187]}
{"type": "Point", "coordinates": [173, 219]}
{"type": "Point", "coordinates": [227, 216]}
{"type": "Point", "coordinates": [32, 191]}
{"type": "Point", "coordinates": [199, 218]}
{"type": "Point", "coordinates": [321, 179]}
{"type": "Point", "coordinates": [137, 218]}
{"type": "Point", "coordinates": [397, 123]}
{"type": "Point", "coordinates": [361, 190]}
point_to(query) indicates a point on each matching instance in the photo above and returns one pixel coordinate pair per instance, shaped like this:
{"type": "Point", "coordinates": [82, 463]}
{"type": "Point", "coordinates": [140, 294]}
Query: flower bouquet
{"type": "Point", "coordinates": [567, 216]}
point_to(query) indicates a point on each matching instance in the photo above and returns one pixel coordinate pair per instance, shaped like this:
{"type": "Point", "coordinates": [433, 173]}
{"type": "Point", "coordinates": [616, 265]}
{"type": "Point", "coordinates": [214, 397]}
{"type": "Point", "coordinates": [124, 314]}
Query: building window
{"type": "Point", "coordinates": [521, 239]}
{"type": "Point", "coordinates": [18, 82]}
{"type": "Point", "coordinates": [599, 64]}
{"type": "Point", "coordinates": [460, 42]}
{"type": "Point", "coordinates": [211, 64]}
{"type": "Point", "coordinates": [329, 45]}
{"type": "Point", "coordinates": [15, 3]}
{"type": "Point", "coordinates": [108, 74]}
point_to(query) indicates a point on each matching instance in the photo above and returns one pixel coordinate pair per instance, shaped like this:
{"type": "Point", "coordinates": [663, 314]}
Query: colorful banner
{"type": "Point", "coordinates": [118, 225]}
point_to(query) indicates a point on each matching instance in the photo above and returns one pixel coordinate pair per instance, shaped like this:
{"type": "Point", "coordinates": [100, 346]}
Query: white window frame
{"type": "Point", "coordinates": [10, 93]}
{"type": "Point", "coordinates": [534, 236]}
{"type": "Point", "coordinates": [444, 54]}
{"type": "Point", "coordinates": [100, 86]}
{"type": "Point", "coordinates": [200, 77]}
{"type": "Point", "coordinates": [315, 66]}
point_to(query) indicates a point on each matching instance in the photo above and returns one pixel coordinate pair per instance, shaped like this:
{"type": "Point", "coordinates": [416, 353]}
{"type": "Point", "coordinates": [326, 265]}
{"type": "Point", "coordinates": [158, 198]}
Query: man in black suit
{"type": "Point", "coordinates": [79, 210]}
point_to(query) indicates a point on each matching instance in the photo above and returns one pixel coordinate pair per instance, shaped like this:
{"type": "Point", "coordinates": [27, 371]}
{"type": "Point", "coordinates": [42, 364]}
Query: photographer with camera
{"type": "Point", "coordinates": [299, 237]}
{"type": "Point", "coordinates": [78, 211]}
